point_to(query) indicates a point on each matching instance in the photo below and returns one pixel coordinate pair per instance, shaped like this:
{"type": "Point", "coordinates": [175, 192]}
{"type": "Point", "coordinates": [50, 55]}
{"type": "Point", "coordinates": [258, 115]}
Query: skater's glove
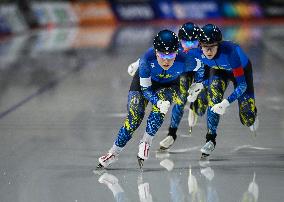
{"type": "Point", "coordinates": [193, 91]}
{"type": "Point", "coordinates": [220, 108]}
{"type": "Point", "coordinates": [132, 68]}
{"type": "Point", "coordinates": [163, 106]}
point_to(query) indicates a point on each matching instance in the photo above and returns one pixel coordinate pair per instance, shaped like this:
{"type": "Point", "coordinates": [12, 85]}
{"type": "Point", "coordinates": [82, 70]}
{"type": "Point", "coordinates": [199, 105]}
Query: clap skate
{"type": "Point", "coordinates": [99, 166]}
{"type": "Point", "coordinates": [207, 149]}
{"type": "Point", "coordinates": [140, 162]}
{"type": "Point", "coordinates": [143, 153]}
{"type": "Point", "coordinates": [105, 160]}
{"type": "Point", "coordinates": [168, 141]}
{"type": "Point", "coordinates": [204, 156]}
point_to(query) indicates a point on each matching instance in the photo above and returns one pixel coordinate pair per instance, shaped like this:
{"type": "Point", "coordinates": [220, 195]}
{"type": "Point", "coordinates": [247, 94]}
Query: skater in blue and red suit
{"type": "Point", "coordinates": [156, 81]}
{"type": "Point", "coordinates": [227, 62]}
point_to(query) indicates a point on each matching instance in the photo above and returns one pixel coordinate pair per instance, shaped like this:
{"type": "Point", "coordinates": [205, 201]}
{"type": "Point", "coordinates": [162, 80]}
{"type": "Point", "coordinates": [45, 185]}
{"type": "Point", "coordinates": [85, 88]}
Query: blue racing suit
{"type": "Point", "coordinates": [229, 64]}
{"type": "Point", "coordinates": [150, 84]}
{"type": "Point", "coordinates": [186, 79]}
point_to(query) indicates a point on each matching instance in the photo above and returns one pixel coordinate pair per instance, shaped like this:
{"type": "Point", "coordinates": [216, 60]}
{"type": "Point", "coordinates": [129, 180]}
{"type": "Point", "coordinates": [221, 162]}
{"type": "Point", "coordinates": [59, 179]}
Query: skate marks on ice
{"type": "Point", "coordinates": [182, 150]}
{"type": "Point", "coordinates": [248, 148]}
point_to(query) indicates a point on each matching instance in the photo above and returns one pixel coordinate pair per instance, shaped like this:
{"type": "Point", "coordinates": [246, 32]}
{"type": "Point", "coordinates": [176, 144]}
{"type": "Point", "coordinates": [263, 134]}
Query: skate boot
{"type": "Point", "coordinates": [168, 141]}
{"type": "Point", "coordinates": [110, 157]}
{"type": "Point", "coordinates": [143, 153]}
{"type": "Point", "coordinates": [207, 149]}
{"type": "Point", "coordinates": [192, 119]}
{"type": "Point", "coordinates": [107, 159]}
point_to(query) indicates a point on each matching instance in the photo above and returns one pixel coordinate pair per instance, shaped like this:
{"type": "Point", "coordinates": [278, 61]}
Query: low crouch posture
{"type": "Point", "coordinates": [227, 62]}
{"type": "Point", "coordinates": [188, 36]}
{"type": "Point", "coordinates": [157, 82]}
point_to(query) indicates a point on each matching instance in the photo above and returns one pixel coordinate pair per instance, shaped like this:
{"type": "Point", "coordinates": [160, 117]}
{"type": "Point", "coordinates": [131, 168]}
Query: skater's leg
{"type": "Point", "coordinates": [247, 108]}
{"type": "Point", "coordinates": [215, 95]}
{"type": "Point", "coordinates": [200, 105]}
{"type": "Point", "coordinates": [197, 108]}
{"type": "Point", "coordinates": [136, 110]}
{"type": "Point", "coordinates": [154, 122]}
{"type": "Point", "coordinates": [216, 92]}
{"type": "Point", "coordinates": [177, 111]}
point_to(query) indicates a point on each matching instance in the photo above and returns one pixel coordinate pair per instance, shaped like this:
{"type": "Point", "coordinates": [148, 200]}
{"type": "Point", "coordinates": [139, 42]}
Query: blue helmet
{"type": "Point", "coordinates": [166, 41]}
{"type": "Point", "coordinates": [189, 32]}
{"type": "Point", "coordinates": [210, 34]}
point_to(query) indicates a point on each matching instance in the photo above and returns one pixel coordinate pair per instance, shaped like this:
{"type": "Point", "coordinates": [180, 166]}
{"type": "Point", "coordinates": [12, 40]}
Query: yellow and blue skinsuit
{"type": "Point", "coordinates": [229, 64]}
{"type": "Point", "coordinates": [199, 107]}
{"type": "Point", "coordinates": [150, 84]}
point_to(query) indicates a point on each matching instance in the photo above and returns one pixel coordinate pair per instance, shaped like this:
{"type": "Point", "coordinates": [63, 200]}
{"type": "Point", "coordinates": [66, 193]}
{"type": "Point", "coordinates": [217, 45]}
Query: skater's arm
{"type": "Point", "coordinates": [132, 68]}
{"type": "Point", "coordinates": [192, 63]}
{"type": "Point", "coordinates": [238, 72]}
{"type": "Point", "coordinates": [146, 83]}
{"type": "Point", "coordinates": [199, 71]}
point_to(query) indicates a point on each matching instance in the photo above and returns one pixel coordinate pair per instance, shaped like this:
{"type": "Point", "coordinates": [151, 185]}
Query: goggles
{"type": "Point", "coordinates": [209, 45]}
{"type": "Point", "coordinates": [190, 44]}
{"type": "Point", "coordinates": [168, 56]}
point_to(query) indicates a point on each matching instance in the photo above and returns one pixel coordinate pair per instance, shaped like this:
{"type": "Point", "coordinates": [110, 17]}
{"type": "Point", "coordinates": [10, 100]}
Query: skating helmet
{"type": "Point", "coordinates": [189, 32]}
{"type": "Point", "coordinates": [166, 42]}
{"type": "Point", "coordinates": [210, 34]}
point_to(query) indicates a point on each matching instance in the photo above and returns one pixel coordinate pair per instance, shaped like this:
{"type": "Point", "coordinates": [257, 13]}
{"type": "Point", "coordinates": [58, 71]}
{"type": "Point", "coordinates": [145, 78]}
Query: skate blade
{"type": "Point", "coordinates": [100, 166]}
{"type": "Point", "coordinates": [140, 162]}
{"type": "Point", "coordinates": [99, 170]}
{"type": "Point", "coordinates": [204, 157]}
{"type": "Point", "coordinates": [163, 148]}
{"type": "Point", "coordinates": [190, 131]}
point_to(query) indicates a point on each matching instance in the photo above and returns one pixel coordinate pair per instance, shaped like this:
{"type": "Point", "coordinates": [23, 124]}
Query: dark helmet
{"type": "Point", "coordinates": [210, 34]}
{"type": "Point", "coordinates": [189, 32]}
{"type": "Point", "coordinates": [166, 41]}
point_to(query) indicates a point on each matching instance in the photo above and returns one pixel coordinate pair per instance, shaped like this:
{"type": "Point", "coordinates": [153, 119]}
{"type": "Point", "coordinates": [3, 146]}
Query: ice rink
{"type": "Point", "coordinates": [61, 107]}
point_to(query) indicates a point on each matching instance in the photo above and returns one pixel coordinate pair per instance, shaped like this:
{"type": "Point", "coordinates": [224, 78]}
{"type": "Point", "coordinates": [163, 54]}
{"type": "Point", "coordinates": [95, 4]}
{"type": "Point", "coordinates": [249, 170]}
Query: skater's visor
{"type": "Point", "coordinates": [189, 44]}
{"type": "Point", "coordinates": [168, 56]}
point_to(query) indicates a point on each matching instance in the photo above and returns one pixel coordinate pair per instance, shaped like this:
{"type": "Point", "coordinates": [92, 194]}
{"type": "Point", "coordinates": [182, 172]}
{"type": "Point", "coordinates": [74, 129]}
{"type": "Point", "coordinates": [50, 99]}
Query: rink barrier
{"type": "Point", "coordinates": [81, 13]}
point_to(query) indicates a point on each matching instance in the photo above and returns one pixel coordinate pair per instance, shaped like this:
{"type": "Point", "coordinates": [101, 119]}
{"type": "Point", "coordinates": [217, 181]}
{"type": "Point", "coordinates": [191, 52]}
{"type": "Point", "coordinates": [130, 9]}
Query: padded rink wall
{"type": "Point", "coordinates": [78, 24]}
{"type": "Point", "coordinates": [14, 18]}
{"type": "Point", "coordinates": [24, 15]}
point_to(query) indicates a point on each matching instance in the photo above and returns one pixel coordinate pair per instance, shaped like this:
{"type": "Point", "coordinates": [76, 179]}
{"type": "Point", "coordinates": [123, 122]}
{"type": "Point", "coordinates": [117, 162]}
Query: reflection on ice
{"type": "Point", "coordinates": [112, 183]}
{"type": "Point", "coordinates": [168, 164]}
{"type": "Point", "coordinates": [251, 195]}
{"type": "Point", "coordinates": [209, 174]}
{"type": "Point", "coordinates": [144, 190]}
{"type": "Point", "coordinates": [194, 190]}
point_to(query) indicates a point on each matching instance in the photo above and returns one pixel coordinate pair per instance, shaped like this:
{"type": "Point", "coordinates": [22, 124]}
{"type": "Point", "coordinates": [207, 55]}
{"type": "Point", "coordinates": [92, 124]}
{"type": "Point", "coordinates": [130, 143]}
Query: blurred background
{"type": "Point", "coordinates": [62, 25]}
{"type": "Point", "coordinates": [102, 24]}
{"type": "Point", "coordinates": [37, 36]}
